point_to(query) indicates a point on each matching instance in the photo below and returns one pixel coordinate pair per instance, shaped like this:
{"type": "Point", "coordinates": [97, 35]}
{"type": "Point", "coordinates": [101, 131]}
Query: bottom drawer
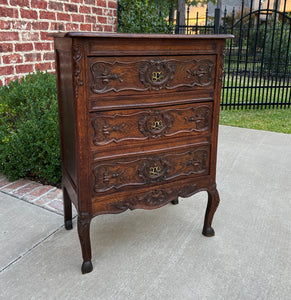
{"type": "Point", "coordinates": [118, 174]}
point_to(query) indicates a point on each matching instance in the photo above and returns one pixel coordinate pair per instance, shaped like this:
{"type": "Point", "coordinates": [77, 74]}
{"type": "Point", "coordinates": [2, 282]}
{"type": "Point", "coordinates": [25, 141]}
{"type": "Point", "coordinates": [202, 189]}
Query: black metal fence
{"type": "Point", "coordinates": [257, 66]}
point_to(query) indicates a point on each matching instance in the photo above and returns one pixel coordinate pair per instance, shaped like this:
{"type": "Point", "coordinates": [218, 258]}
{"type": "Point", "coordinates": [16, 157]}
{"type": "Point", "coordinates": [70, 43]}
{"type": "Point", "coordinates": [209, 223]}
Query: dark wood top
{"type": "Point", "coordinates": [138, 35]}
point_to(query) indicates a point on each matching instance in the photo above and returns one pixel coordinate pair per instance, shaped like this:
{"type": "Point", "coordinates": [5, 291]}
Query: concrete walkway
{"type": "Point", "coordinates": [161, 254]}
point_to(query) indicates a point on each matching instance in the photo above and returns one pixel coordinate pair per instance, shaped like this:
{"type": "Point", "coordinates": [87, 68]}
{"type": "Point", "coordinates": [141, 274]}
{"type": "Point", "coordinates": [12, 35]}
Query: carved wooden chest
{"type": "Point", "coordinates": [139, 121]}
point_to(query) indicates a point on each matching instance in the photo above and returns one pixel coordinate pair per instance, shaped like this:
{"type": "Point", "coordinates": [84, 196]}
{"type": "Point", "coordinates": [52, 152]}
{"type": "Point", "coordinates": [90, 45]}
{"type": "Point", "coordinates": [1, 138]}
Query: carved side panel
{"type": "Point", "coordinates": [151, 169]}
{"type": "Point", "coordinates": [151, 124]}
{"type": "Point", "coordinates": [145, 74]}
{"type": "Point", "coordinates": [77, 56]}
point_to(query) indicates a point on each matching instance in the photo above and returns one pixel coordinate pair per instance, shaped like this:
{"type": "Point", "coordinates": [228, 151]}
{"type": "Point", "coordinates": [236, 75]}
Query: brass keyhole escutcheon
{"type": "Point", "coordinates": [155, 171]}
{"type": "Point", "coordinates": [157, 76]}
{"type": "Point", "coordinates": [157, 125]}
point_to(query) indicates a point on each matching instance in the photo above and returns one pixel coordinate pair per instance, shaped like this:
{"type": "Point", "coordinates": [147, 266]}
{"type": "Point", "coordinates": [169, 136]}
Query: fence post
{"type": "Point", "coordinates": [177, 27]}
{"type": "Point", "coordinates": [217, 20]}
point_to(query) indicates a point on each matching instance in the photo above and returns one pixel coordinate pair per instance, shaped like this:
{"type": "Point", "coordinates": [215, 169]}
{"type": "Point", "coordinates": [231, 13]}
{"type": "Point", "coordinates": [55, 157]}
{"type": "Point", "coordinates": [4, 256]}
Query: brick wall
{"type": "Point", "coordinates": [24, 24]}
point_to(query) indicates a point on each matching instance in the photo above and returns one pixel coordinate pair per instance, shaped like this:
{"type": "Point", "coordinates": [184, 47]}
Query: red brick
{"type": "Point", "coordinates": [55, 6]}
{"type": "Point", "coordinates": [49, 56]}
{"type": "Point", "coordinates": [84, 9]}
{"type": "Point", "coordinates": [90, 19]}
{"type": "Point", "coordinates": [101, 3]}
{"type": "Point", "coordinates": [31, 57]}
{"type": "Point", "coordinates": [56, 205]}
{"type": "Point", "coordinates": [102, 20]}
{"type": "Point", "coordinates": [38, 192]}
{"type": "Point", "coordinates": [77, 18]}
{"type": "Point", "coordinates": [98, 27]}
{"type": "Point", "coordinates": [108, 28]}
{"type": "Point", "coordinates": [71, 7]}
{"type": "Point", "coordinates": [112, 4]}
{"type": "Point", "coordinates": [30, 36]}
{"type": "Point", "coordinates": [5, 24]}
{"type": "Point", "coordinates": [72, 27]}
{"type": "Point", "coordinates": [41, 4]}
{"type": "Point", "coordinates": [108, 12]}
{"type": "Point", "coordinates": [9, 12]}
{"type": "Point", "coordinates": [97, 11]}
{"type": "Point", "coordinates": [12, 78]}
{"type": "Point", "coordinates": [4, 181]}
{"type": "Point", "coordinates": [5, 47]}
{"type": "Point", "coordinates": [90, 2]}
{"type": "Point", "coordinates": [42, 46]}
{"type": "Point", "coordinates": [24, 69]}
{"type": "Point", "coordinates": [9, 36]}
{"type": "Point", "coordinates": [57, 26]}
{"type": "Point", "coordinates": [85, 27]}
{"type": "Point", "coordinates": [44, 37]}
{"type": "Point", "coordinates": [21, 3]}
{"type": "Point", "coordinates": [28, 14]}
{"type": "Point", "coordinates": [47, 15]}
{"type": "Point", "coordinates": [40, 25]}
{"type": "Point", "coordinates": [21, 25]}
{"type": "Point", "coordinates": [15, 185]}
{"type": "Point", "coordinates": [12, 59]}
{"type": "Point", "coordinates": [77, 1]}
{"type": "Point", "coordinates": [43, 66]}
{"type": "Point", "coordinates": [23, 47]}
{"type": "Point", "coordinates": [5, 2]}
{"type": "Point", "coordinates": [63, 17]}
{"type": "Point", "coordinates": [28, 188]}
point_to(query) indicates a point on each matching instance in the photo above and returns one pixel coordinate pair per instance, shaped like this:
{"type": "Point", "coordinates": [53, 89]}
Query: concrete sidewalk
{"type": "Point", "coordinates": [161, 254]}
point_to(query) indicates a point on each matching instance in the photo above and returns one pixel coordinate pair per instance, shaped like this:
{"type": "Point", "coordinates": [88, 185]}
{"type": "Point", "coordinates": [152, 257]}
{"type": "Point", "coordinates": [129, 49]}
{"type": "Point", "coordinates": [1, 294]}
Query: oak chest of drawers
{"type": "Point", "coordinates": [139, 122]}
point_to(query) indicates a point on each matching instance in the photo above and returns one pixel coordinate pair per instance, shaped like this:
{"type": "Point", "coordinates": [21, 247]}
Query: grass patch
{"type": "Point", "coordinates": [277, 120]}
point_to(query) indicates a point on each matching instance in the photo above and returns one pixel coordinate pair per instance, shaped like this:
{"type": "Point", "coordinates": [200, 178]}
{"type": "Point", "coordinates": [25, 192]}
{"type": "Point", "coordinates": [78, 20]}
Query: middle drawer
{"type": "Point", "coordinates": [155, 126]}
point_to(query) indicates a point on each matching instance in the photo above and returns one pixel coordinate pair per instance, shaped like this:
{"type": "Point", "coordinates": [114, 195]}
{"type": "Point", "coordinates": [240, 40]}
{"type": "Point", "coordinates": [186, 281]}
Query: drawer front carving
{"type": "Point", "coordinates": [140, 74]}
{"type": "Point", "coordinates": [150, 124]}
{"type": "Point", "coordinates": [151, 169]}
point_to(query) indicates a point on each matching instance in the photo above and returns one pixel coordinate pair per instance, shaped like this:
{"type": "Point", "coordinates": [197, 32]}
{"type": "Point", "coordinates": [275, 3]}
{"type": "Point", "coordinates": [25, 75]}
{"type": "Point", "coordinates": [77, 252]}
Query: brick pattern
{"type": "Point", "coordinates": [24, 24]}
{"type": "Point", "coordinates": [45, 196]}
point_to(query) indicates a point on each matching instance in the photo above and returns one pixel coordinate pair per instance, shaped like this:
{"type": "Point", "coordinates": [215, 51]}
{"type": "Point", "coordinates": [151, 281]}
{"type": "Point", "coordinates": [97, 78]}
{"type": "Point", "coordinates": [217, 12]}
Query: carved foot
{"type": "Point", "coordinates": [208, 231]}
{"type": "Point", "coordinates": [175, 202]}
{"type": "Point", "coordinates": [87, 267]}
{"type": "Point", "coordinates": [84, 236]}
{"type": "Point", "coordinates": [213, 201]}
{"type": "Point", "coordinates": [68, 224]}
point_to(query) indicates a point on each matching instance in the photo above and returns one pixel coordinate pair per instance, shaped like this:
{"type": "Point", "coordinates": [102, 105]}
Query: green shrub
{"type": "Point", "coordinates": [142, 16]}
{"type": "Point", "coordinates": [29, 131]}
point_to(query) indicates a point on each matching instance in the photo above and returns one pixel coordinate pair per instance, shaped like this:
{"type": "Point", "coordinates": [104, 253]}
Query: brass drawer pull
{"type": "Point", "coordinates": [157, 76]}
{"type": "Point", "coordinates": [157, 125]}
{"type": "Point", "coordinates": [155, 171]}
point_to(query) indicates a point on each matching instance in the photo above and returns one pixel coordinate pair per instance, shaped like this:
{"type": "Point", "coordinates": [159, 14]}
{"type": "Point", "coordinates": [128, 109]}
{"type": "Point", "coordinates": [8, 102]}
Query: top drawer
{"type": "Point", "coordinates": [124, 76]}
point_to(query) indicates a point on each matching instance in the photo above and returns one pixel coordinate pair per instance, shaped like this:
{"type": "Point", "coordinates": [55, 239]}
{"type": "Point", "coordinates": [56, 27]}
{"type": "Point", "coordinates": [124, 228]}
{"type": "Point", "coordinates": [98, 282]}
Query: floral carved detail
{"type": "Point", "coordinates": [200, 116]}
{"type": "Point", "coordinates": [200, 73]}
{"type": "Point", "coordinates": [221, 64]}
{"type": "Point", "coordinates": [154, 198]}
{"type": "Point", "coordinates": [155, 124]}
{"type": "Point", "coordinates": [77, 56]}
{"type": "Point", "coordinates": [102, 76]}
{"type": "Point", "coordinates": [148, 170]}
{"type": "Point", "coordinates": [156, 74]}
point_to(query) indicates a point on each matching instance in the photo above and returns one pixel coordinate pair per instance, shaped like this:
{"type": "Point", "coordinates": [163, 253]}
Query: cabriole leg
{"type": "Point", "coordinates": [213, 201]}
{"type": "Point", "coordinates": [67, 210]}
{"type": "Point", "coordinates": [84, 236]}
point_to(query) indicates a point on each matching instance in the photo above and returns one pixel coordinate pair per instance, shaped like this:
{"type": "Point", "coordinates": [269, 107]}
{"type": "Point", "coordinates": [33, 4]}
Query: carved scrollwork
{"type": "Point", "coordinates": [155, 124]}
{"type": "Point", "coordinates": [200, 116]}
{"type": "Point", "coordinates": [77, 56]}
{"type": "Point", "coordinates": [150, 74]}
{"type": "Point", "coordinates": [154, 170]}
{"type": "Point", "coordinates": [157, 73]}
{"type": "Point", "coordinates": [148, 170]}
{"type": "Point", "coordinates": [154, 198]}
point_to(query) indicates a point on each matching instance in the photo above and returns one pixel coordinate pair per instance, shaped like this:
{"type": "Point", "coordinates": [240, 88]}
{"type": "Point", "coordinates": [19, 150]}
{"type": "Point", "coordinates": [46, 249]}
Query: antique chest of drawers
{"type": "Point", "coordinates": [139, 122]}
